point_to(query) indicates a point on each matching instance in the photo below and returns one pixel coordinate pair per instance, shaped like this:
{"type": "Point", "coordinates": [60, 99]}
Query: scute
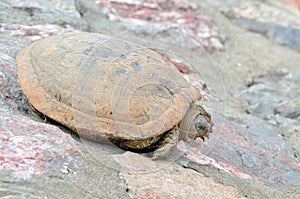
{"type": "Point", "coordinates": [148, 102]}
{"type": "Point", "coordinates": [103, 87]}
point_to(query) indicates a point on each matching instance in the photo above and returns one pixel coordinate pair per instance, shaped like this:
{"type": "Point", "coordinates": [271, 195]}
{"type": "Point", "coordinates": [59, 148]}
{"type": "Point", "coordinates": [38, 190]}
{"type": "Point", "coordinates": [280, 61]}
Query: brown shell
{"type": "Point", "coordinates": [100, 86]}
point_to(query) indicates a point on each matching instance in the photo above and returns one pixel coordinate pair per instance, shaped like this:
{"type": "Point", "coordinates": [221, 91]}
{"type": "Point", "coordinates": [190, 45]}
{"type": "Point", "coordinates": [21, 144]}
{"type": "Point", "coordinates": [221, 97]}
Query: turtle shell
{"type": "Point", "coordinates": [103, 87]}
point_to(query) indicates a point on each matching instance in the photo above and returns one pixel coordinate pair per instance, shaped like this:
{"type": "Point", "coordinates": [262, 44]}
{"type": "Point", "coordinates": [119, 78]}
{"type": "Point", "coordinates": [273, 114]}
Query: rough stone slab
{"type": "Point", "coordinates": [174, 22]}
{"type": "Point", "coordinates": [280, 25]}
{"type": "Point", "coordinates": [29, 147]}
{"type": "Point", "coordinates": [251, 150]}
{"type": "Point", "coordinates": [276, 92]}
{"type": "Point", "coordinates": [275, 98]}
{"type": "Point", "coordinates": [33, 12]}
{"type": "Point", "coordinates": [158, 179]}
{"type": "Point", "coordinates": [10, 91]}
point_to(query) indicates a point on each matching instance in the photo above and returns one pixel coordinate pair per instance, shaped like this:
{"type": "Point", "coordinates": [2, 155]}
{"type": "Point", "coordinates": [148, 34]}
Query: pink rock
{"type": "Point", "coordinates": [166, 21]}
{"type": "Point", "coordinates": [29, 147]}
{"type": "Point", "coordinates": [294, 3]}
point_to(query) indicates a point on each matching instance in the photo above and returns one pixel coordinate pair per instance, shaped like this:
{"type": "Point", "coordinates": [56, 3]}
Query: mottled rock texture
{"type": "Point", "coordinates": [144, 179]}
{"type": "Point", "coordinates": [28, 147]}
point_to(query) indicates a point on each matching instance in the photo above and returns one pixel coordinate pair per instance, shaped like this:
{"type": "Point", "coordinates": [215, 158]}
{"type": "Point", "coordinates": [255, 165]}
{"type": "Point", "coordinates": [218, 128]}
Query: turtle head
{"type": "Point", "coordinates": [196, 123]}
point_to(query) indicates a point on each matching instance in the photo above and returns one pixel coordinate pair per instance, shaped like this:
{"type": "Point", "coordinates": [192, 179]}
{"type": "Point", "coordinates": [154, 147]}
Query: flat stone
{"type": "Point", "coordinates": [275, 98]}
{"type": "Point", "coordinates": [275, 92]}
{"type": "Point", "coordinates": [250, 150]}
{"type": "Point", "coordinates": [280, 25]}
{"type": "Point", "coordinates": [160, 179]}
{"type": "Point", "coordinates": [289, 108]}
{"type": "Point", "coordinates": [172, 22]}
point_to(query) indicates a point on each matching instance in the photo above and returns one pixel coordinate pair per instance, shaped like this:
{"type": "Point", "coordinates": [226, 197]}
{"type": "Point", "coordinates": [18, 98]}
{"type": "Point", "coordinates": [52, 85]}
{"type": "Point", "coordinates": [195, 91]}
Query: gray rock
{"type": "Point", "coordinates": [266, 18]}
{"type": "Point", "coordinates": [289, 108]}
{"type": "Point", "coordinates": [10, 91]}
{"type": "Point", "coordinates": [275, 92]}
{"type": "Point", "coordinates": [95, 19]}
{"type": "Point", "coordinates": [284, 35]}
{"type": "Point", "coordinates": [275, 98]}
{"type": "Point", "coordinates": [158, 179]}
{"type": "Point", "coordinates": [40, 12]}
{"type": "Point", "coordinates": [170, 22]}
{"type": "Point", "coordinates": [251, 150]}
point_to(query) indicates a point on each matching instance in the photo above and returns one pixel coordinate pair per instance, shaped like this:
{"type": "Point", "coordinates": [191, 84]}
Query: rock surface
{"type": "Point", "coordinates": [250, 150]}
{"type": "Point", "coordinates": [28, 147]}
{"type": "Point", "coordinates": [144, 179]}
{"type": "Point", "coordinates": [13, 37]}
{"type": "Point", "coordinates": [62, 13]}
{"type": "Point", "coordinates": [173, 22]}
{"type": "Point", "coordinates": [275, 98]}
{"type": "Point", "coordinates": [281, 26]}
{"type": "Point", "coordinates": [242, 82]}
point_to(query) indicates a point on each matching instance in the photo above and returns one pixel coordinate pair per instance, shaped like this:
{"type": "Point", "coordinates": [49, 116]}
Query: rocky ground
{"type": "Point", "coordinates": [243, 56]}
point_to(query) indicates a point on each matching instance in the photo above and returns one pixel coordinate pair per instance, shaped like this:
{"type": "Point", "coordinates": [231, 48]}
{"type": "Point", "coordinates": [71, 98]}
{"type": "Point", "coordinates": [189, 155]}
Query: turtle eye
{"type": "Point", "coordinates": [199, 126]}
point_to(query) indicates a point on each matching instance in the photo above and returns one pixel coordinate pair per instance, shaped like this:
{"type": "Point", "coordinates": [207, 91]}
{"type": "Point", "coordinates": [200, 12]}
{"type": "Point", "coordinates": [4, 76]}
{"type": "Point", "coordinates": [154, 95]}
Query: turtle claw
{"type": "Point", "coordinates": [167, 144]}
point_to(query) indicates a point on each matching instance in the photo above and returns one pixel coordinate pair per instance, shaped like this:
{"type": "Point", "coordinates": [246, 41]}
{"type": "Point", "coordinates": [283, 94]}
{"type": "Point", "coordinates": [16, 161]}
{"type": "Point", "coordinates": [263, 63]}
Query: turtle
{"type": "Point", "coordinates": [105, 88]}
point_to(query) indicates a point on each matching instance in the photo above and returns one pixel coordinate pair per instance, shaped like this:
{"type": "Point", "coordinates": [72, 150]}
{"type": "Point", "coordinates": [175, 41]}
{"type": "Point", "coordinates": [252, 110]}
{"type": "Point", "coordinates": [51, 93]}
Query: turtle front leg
{"type": "Point", "coordinates": [167, 144]}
